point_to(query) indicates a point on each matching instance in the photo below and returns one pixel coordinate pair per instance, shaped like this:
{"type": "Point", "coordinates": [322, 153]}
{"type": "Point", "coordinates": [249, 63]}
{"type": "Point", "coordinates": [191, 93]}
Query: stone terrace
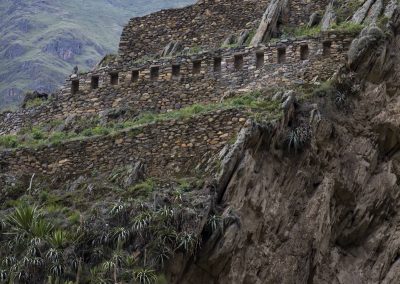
{"type": "Point", "coordinates": [172, 83]}
{"type": "Point", "coordinates": [167, 148]}
{"type": "Point", "coordinates": [205, 24]}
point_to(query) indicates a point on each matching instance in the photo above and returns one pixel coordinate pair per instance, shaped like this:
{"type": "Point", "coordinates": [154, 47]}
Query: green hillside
{"type": "Point", "coordinates": [41, 40]}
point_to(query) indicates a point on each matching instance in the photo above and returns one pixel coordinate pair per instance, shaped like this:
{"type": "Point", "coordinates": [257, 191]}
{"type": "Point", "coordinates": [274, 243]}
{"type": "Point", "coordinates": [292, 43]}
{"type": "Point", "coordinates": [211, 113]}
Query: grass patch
{"type": "Point", "coordinates": [143, 189]}
{"type": "Point", "coordinates": [252, 33]}
{"type": "Point", "coordinates": [301, 31]}
{"type": "Point", "coordinates": [35, 103]}
{"type": "Point", "coordinates": [348, 27]}
{"type": "Point", "coordinates": [9, 141]}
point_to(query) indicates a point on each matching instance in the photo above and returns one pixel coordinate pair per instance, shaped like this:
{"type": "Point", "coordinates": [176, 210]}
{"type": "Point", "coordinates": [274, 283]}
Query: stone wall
{"type": "Point", "coordinates": [167, 148]}
{"type": "Point", "coordinates": [301, 10]}
{"type": "Point", "coordinates": [284, 64]}
{"type": "Point", "coordinates": [206, 25]}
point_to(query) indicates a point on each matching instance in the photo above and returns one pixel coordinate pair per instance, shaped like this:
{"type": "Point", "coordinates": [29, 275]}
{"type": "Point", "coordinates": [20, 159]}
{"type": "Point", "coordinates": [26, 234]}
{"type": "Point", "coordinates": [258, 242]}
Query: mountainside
{"type": "Point", "coordinates": [244, 142]}
{"type": "Point", "coordinates": [41, 41]}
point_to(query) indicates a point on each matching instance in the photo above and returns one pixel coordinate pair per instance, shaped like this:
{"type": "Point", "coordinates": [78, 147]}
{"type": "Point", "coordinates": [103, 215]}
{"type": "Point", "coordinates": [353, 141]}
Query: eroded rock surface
{"type": "Point", "coordinates": [328, 214]}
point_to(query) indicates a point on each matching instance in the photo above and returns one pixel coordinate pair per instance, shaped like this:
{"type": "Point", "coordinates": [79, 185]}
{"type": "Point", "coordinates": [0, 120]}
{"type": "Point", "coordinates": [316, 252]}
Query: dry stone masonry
{"type": "Point", "coordinates": [172, 83]}
{"type": "Point", "coordinates": [167, 147]}
{"type": "Point", "coordinates": [203, 73]}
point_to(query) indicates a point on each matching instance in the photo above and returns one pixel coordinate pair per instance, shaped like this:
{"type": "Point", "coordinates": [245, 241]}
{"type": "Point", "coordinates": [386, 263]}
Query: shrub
{"type": "Point", "coordinates": [142, 189]}
{"type": "Point", "coordinates": [37, 133]}
{"type": "Point", "coordinates": [8, 141]}
{"type": "Point", "coordinates": [298, 137]}
{"type": "Point", "coordinates": [57, 137]}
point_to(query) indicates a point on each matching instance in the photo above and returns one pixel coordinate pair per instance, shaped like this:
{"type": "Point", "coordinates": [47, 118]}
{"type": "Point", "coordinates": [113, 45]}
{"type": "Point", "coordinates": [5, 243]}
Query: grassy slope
{"type": "Point", "coordinates": [96, 24]}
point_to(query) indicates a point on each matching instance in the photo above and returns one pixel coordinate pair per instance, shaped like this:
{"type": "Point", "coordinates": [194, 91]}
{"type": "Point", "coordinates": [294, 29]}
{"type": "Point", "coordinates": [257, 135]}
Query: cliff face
{"type": "Point", "coordinates": [330, 213]}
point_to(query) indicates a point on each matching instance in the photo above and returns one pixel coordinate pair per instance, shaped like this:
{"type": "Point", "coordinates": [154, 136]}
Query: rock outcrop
{"type": "Point", "coordinates": [269, 22]}
{"type": "Point", "coordinates": [329, 18]}
{"type": "Point", "coordinates": [329, 214]}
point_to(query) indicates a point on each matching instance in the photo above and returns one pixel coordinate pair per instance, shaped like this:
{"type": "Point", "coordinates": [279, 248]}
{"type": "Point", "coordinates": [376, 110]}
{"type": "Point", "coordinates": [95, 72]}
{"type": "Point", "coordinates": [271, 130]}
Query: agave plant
{"type": "Point", "coordinates": [121, 234]}
{"type": "Point", "coordinates": [340, 99]}
{"type": "Point", "coordinates": [161, 254]}
{"type": "Point", "coordinates": [3, 276]}
{"type": "Point", "coordinates": [187, 242]}
{"type": "Point", "coordinates": [22, 219]}
{"type": "Point", "coordinates": [215, 223]}
{"type": "Point", "coordinates": [298, 137]}
{"type": "Point", "coordinates": [58, 239]}
{"type": "Point", "coordinates": [57, 269]}
{"type": "Point", "coordinates": [141, 221]}
{"type": "Point", "coordinates": [117, 209]}
{"type": "Point", "coordinates": [54, 255]}
{"type": "Point", "coordinates": [166, 212]}
{"type": "Point", "coordinates": [145, 276]}
{"type": "Point", "coordinates": [9, 261]}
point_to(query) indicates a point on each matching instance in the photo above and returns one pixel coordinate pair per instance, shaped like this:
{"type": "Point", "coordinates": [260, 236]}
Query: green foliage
{"type": "Point", "coordinates": [144, 188]}
{"type": "Point", "coordinates": [145, 276]}
{"type": "Point", "coordinates": [194, 49]}
{"type": "Point", "coordinates": [301, 31]}
{"type": "Point", "coordinates": [324, 90]}
{"type": "Point", "coordinates": [8, 141]}
{"type": "Point", "coordinates": [253, 102]}
{"type": "Point", "coordinates": [37, 133]}
{"type": "Point", "coordinates": [382, 22]}
{"type": "Point", "coordinates": [348, 27]}
{"type": "Point", "coordinates": [35, 103]}
{"type": "Point", "coordinates": [144, 59]}
{"type": "Point", "coordinates": [252, 33]}
{"type": "Point", "coordinates": [233, 45]}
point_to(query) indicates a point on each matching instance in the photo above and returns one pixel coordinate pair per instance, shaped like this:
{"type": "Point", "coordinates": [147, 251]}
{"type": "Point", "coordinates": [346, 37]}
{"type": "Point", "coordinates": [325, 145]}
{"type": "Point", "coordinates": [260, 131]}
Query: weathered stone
{"type": "Point", "coordinates": [269, 21]}
{"type": "Point", "coordinates": [329, 18]}
{"type": "Point", "coordinates": [314, 20]}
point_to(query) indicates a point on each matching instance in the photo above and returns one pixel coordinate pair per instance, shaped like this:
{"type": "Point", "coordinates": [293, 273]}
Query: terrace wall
{"type": "Point", "coordinates": [167, 148]}
{"type": "Point", "coordinates": [169, 92]}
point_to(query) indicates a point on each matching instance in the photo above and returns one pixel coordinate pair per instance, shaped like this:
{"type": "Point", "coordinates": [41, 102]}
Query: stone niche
{"type": "Point", "coordinates": [74, 86]}
{"type": "Point", "coordinates": [135, 75]}
{"type": "Point", "coordinates": [94, 82]}
{"type": "Point", "coordinates": [259, 59]}
{"type": "Point", "coordinates": [217, 64]}
{"type": "Point", "coordinates": [304, 52]}
{"type": "Point", "coordinates": [176, 71]}
{"type": "Point", "coordinates": [196, 67]}
{"type": "Point", "coordinates": [154, 72]}
{"type": "Point", "coordinates": [114, 78]}
{"type": "Point", "coordinates": [238, 62]}
{"type": "Point", "coordinates": [326, 48]}
{"type": "Point", "coordinates": [281, 55]}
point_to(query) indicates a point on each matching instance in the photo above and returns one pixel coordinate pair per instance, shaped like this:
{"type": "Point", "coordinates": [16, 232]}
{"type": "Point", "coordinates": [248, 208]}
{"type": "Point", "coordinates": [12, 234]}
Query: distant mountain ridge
{"type": "Point", "coordinates": [42, 40]}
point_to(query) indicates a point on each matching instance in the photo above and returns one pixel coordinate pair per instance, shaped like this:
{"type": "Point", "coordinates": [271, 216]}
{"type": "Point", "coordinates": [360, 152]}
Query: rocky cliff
{"type": "Point", "coordinates": [328, 214]}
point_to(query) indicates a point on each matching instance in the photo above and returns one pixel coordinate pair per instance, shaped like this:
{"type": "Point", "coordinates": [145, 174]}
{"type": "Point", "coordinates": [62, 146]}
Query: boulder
{"type": "Point", "coordinates": [244, 35]}
{"type": "Point", "coordinates": [231, 39]}
{"type": "Point", "coordinates": [329, 18]}
{"type": "Point", "coordinates": [374, 12]}
{"type": "Point", "coordinates": [390, 8]}
{"type": "Point", "coordinates": [368, 12]}
{"type": "Point", "coordinates": [269, 22]}
{"type": "Point", "coordinates": [314, 20]}
{"type": "Point", "coordinates": [172, 48]}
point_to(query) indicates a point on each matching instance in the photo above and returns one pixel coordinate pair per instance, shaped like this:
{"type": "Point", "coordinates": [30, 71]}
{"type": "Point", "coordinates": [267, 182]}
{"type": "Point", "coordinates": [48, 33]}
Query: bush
{"type": "Point", "coordinates": [8, 141]}
{"type": "Point", "coordinates": [142, 189]}
{"type": "Point", "coordinates": [37, 134]}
